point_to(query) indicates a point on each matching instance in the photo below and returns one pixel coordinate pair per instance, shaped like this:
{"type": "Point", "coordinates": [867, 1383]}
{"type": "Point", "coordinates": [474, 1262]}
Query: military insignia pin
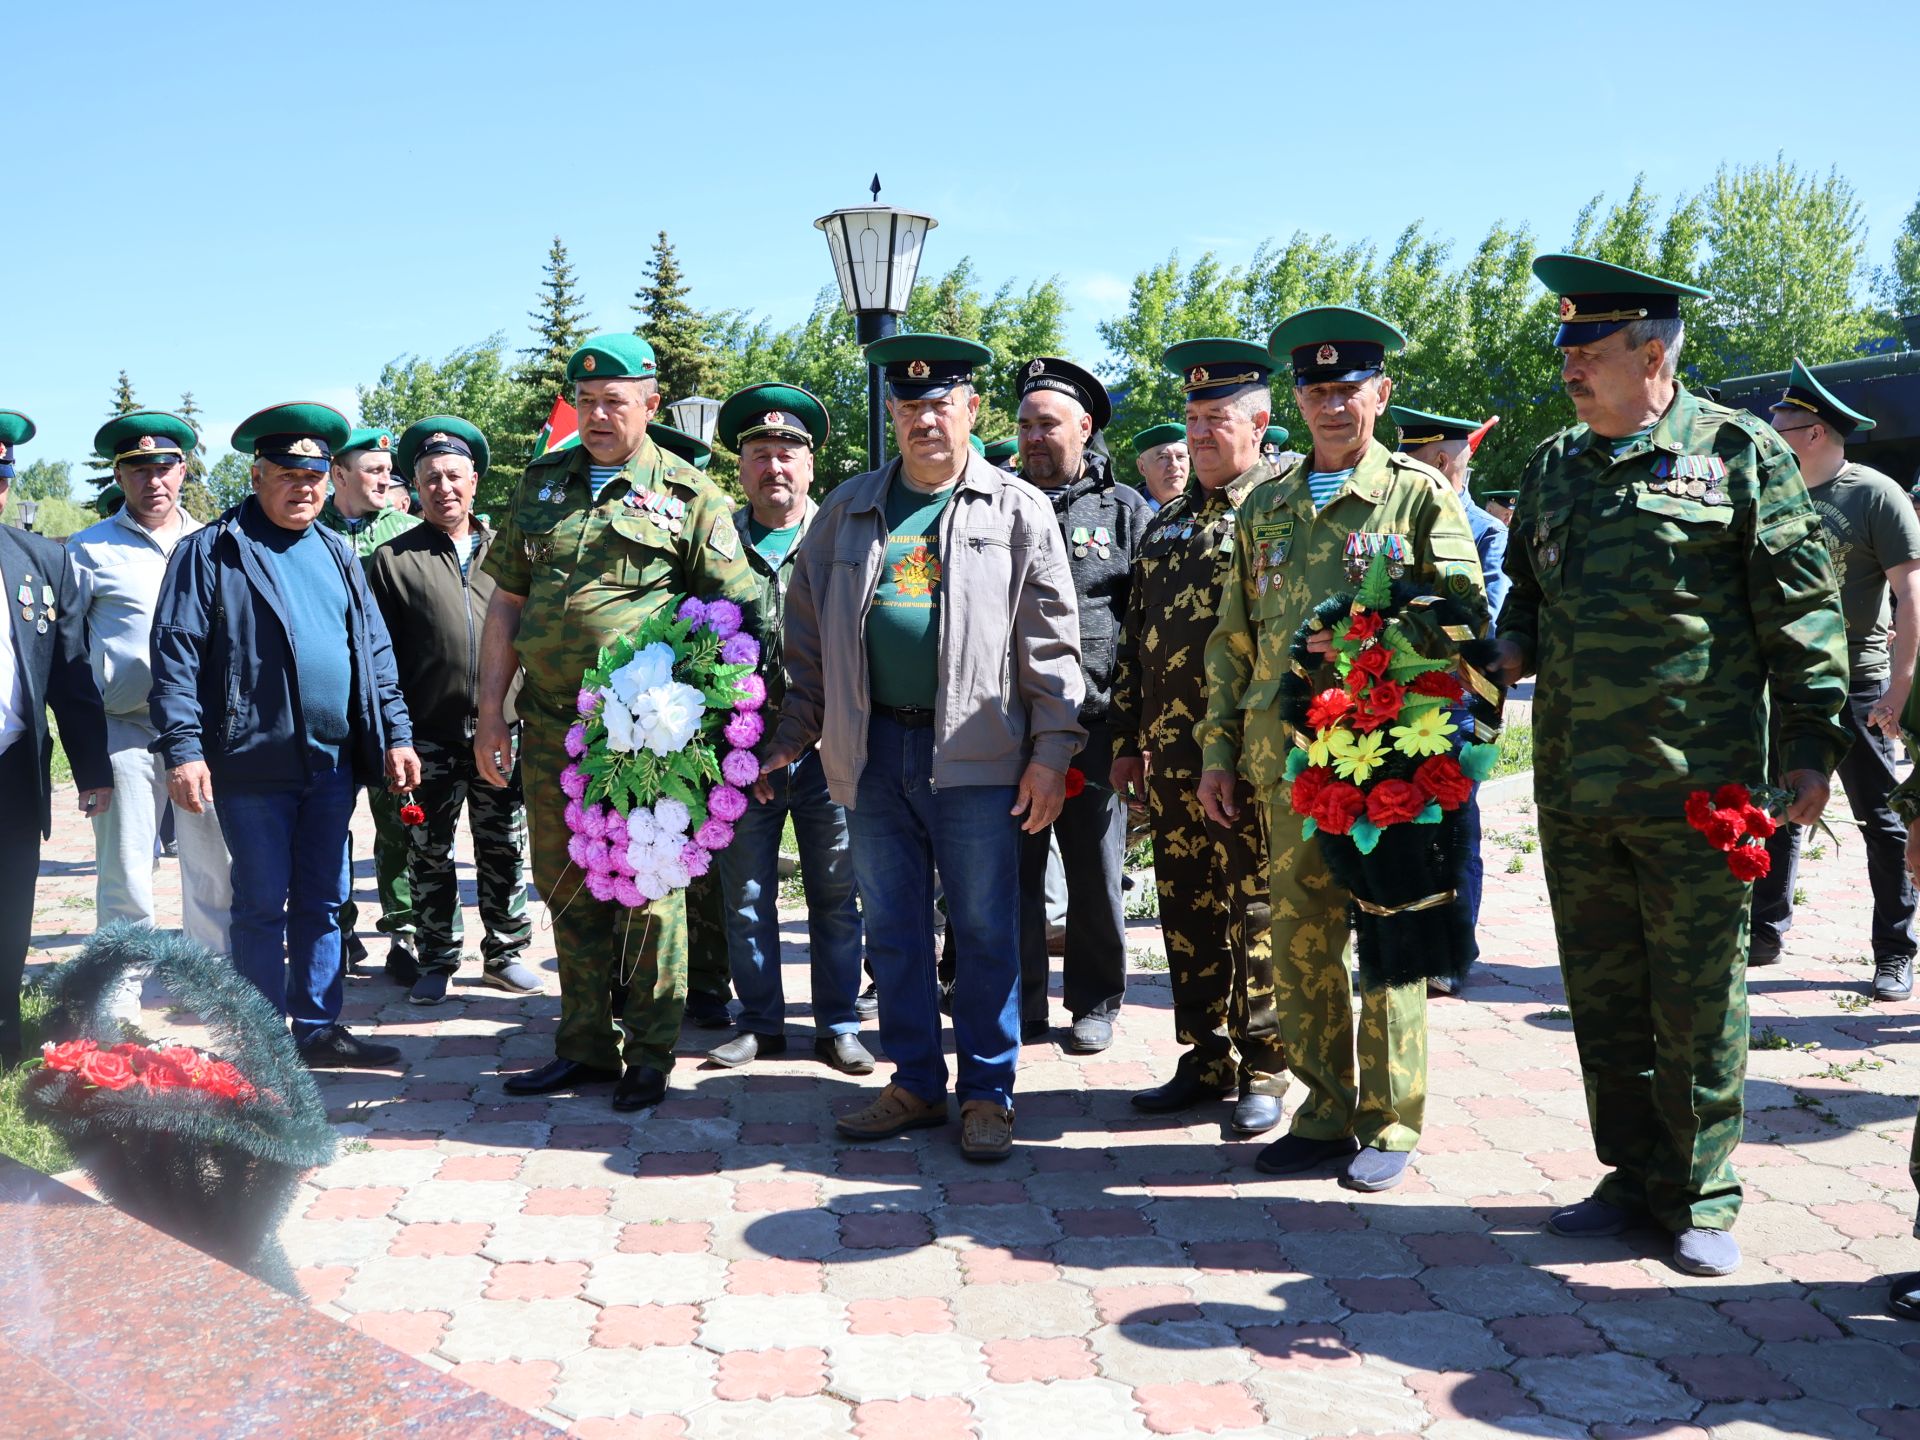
{"type": "Point", "coordinates": [589, 363]}
{"type": "Point", "coordinates": [918, 370]}
{"type": "Point", "coordinates": [1197, 375]}
{"type": "Point", "coordinates": [1326, 355]}
{"type": "Point", "coordinates": [386, 440]}
{"type": "Point", "coordinates": [1567, 308]}
{"type": "Point", "coordinates": [438, 437]}
{"type": "Point", "coordinates": [306, 446]}
{"type": "Point", "coordinates": [772, 417]}
{"type": "Point", "coordinates": [1038, 367]}
{"type": "Point", "coordinates": [147, 442]}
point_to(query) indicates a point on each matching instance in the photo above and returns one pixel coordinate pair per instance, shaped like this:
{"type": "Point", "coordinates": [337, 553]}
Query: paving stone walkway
{"type": "Point", "coordinates": [726, 1266]}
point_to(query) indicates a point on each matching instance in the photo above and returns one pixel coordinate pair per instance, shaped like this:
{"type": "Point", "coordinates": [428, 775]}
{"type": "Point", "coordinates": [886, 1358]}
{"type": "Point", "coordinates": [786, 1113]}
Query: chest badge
{"type": "Point", "coordinates": [1363, 545]}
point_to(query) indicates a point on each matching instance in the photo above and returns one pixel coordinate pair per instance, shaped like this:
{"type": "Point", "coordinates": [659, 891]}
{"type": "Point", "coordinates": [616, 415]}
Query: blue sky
{"type": "Point", "coordinates": [262, 203]}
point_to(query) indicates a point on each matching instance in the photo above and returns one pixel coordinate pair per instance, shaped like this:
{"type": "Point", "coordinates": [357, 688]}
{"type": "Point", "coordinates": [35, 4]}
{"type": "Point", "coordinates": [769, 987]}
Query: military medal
{"type": "Point", "coordinates": [1103, 542]}
{"type": "Point", "coordinates": [1551, 554]}
{"type": "Point", "coordinates": [1079, 539]}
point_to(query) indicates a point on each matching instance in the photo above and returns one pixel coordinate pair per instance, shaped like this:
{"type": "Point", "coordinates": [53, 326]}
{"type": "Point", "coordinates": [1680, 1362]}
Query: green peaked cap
{"type": "Point", "coordinates": [998, 450]}
{"type": "Point", "coordinates": [303, 434]}
{"type": "Point", "coordinates": [1214, 366]}
{"type": "Point", "coordinates": [1805, 392]}
{"type": "Point", "coordinates": [1420, 427]}
{"type": "Point", "coordinates": [1276, 436]}
{"type": "Point", "coordinates": [772, 409]}
{"type": "Point", "coordinates": [1333, 344]}
{"type": "Point", "coordinates": [142, 433]}
{"type": "Point", "coordinates": [441, 435]}
{"type": "Point", "coordinates": [1165, 433]}
{"type": "Point", "coordinates": [676, 441]}
{"type": "Point", "coordinates": [15, 428]}
{"type": "Point", "coordinates": [1598, 297]}
{"type": "Point", "coordinates": [365, 437]}
{"type": "Point", "coordinates": [926, 366]}
{"type": "Point", "coordinates": [615, 355]}
{"type": "Point", "coordinates": [979, 445]}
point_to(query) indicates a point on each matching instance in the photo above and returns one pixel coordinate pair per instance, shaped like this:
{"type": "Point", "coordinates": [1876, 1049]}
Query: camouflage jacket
{"type": "Point", "coordinates": [772, 581]}
{"type": "Point", "coordinates": [595, 566]}
{"type": "Point", "coordinates": [1660, 595]}
{"type": "Point", "coordinates": [369, 533]}
{"type": "Point", "coordinates": [1159, 687]}
{"type": "Point", "coordinates": [1288, 556]}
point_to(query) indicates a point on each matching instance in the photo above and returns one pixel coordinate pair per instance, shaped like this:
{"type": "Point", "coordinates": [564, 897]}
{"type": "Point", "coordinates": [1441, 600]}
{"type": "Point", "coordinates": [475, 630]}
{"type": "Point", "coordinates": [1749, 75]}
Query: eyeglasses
{"type": "Point", "coordinates": [1796, 429]}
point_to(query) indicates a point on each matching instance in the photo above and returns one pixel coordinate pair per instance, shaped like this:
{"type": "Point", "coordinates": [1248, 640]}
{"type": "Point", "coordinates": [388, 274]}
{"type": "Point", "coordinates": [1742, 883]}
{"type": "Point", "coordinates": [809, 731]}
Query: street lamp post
{"type": "Point", "coordinates": [876, 254]}
{"type": "Point", "coordinates": [696, 416]}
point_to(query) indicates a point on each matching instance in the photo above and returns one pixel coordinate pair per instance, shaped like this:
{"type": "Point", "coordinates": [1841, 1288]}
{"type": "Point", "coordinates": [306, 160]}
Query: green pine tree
{"type": "Point", "coordinates": [197, 456]}
{"type": "Point", "coordinates": [677, 331]}
{"type": "Point", "coordinates": [558, 328]}
{"type": "Point", "coordinates": [123, 404]}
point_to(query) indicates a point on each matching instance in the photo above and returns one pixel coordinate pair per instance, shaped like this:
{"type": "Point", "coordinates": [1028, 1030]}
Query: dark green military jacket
{"type": "Point", "coordinates": [1660, 596]}
{"type": "Point", "coordinates": [1288, 556]}
{"type": "Point", "coordinates": [594, 566]}
{"type": "Point", "coordinates": [1159, 685]}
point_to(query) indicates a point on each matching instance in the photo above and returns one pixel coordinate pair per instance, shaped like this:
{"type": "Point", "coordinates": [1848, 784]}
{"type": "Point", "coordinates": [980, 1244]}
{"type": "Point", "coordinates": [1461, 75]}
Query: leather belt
{"type": "Point", "coordinates": [907, 717]}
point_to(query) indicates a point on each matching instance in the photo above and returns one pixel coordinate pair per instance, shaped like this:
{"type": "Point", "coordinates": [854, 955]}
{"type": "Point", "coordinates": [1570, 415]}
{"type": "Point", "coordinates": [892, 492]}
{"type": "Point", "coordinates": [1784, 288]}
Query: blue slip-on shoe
{"type": "Point", "coordinates": [1374, 1169]}
{"type": "Point", "coordinates": [1590, 1219]}
{"type": "Point", "coordinates": [1706, 1252]}
{"type": "Point", "coordinates": [1291, 1154]}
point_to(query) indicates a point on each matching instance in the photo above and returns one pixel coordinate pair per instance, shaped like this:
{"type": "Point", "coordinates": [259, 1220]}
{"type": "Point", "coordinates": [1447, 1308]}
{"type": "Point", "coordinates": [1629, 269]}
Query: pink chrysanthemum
{"type": "Point", "coordinates": [578, 847]}
{"type": "Point", "coordinates": [574, 816]}
{"type": "Point", "coordinates": [741, 767]}
{"type": "Point", "coordinates": [724, 618]}
{"type": "Point", "coordinates": [586, 702]}
{"type": "Point", "coordinates": [573, 782]}
{"type": "Point", "coordinates": [696, 859]}
{"type": "Point", "coordinates": [715, 835]}
{"type": "Point", "coordinates": [745, 729]}
{"type": "Point", "coordinates": [593, 821]}
{"type": "Point", "coordinates": [576, 742]}
{"type": "Point", "coordinates": [625, 892]}
{"type": "Point", "coordinates": [753, 692]}
{"type": "Point", "coordinates": [600, 884]}
{"type": "Point", "coordinates": [726, 803]}
{"type": "Point", "coordinates": [617, 830]}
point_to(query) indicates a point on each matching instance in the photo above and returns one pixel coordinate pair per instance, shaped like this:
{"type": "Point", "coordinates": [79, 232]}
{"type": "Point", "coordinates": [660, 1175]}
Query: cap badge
{"type": "Point", "coordinates": [385, 440]}
{"type": "Point", "coordinates": [1326, 355]}
{"type": "Point", "coordinates": [1567, 308]}
{"type": "Point", "coordinates": [772, 417]}
{"type": "Point", "coordinates": [589, 364]}
{"type": "Point", "coordinates": [305, 446]}
{"type": "Point", "coordinates": [918, 370]}
{"type": "Point", "coordinates": [147, 442]}
{"type": "Point", "coordinates": [438, 437]}
{"type": "Point", "coordinates": [1038, 367]}
{"type": "Point", "coordinates": [1197, 375]}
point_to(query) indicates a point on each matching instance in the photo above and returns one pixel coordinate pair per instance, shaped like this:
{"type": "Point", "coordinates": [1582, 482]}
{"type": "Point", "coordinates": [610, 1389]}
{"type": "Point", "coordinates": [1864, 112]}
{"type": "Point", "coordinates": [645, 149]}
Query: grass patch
{"type": "Point", "coordinates": [62, 767]}
{"type": "Point", "coordinates": [1851, 1002]}
{"type": "Point", "coordinates": [1141, 958]}
{"type": "Point", "coordinates": [1768, 1038]}
{"type": "Point", "coordinates": [1515, 864]}
{"type": "Point", "coordinates": [1516, 751]}
{"type": "Point", "coordinates": [1815, 852]}
{"type": "Point", "coordinates": [22, 1139]}
{"type": "Point", "coordinates": [1849, 1069]}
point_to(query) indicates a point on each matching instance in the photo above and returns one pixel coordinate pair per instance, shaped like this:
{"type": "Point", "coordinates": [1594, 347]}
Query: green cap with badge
{"type": "Point", "coordinates": [15, 430]}
{"type": "Point", "coordinates": [615, 355]}
{"type": "Point", "coordinates": [676, 441]}
{"type": "Point", "coordinates": [365, 437]}
{"type": "Point", "coordinates": [1420, 427]}
{"type": "Point", "coordinates": [924, 367]}
{"type": "Point", "coordinates": [1805, 392]}
{"type": "Point", "coordinates": [441, 435]}
{"type": "Point", "coordinates": [1597, 298]}
{"type": "Point", "coordinates": [300, 436]}
{"type": "Point", "coordinates": [771, 410]}
{"type": "Point", "coordinates": [1334, 344]}
{"type": "Point", "coordinates": [979, 445]}
{"type": "Point", "coordinates": [1214, 368]}
{"type": "Point", "coordinates": [1275, 438]}
{"type": "Point", "coordinates": [998, 452]}
{"type": "Point", "coordinates": [1166, 433]}
{"type": "Point", "coordinates": [145, 437]}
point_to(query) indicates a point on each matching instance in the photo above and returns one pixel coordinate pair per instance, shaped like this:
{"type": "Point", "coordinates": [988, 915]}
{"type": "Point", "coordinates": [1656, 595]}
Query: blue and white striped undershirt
{"type": "Point", "coordinates": [601, 474]}
{"type": "Point", "coordinates": [1325, 484]}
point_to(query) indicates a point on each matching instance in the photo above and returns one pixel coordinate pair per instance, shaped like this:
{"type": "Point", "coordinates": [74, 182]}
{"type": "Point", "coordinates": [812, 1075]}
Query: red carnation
{"type": "Point", "coordinates": [1749, 862]}
{"type": "Point", "coordinates": [1383, 702]}
{"type": "Point", "coordinates": [1760, 824]}
{"type": "Point", "coordinates": [1076, 781]}
{"type": "Point", "coordinates": [1724, 829]}
{"type": "Point", "coordinates": [1371, 662]}
{"type": "Point", "coordinates": [1699, 807]}
{"type": "Point", "coordinates": [1365, 625]}
{"type": "Point", "coordinates": [1441, 684]}
{"type": "Point", "coordinates": [1327, 708]}
{"type": "Point", "coordinates": [1307, 786]}
{"type": "Point", "coordinates": [106, 1070]}
{"type": "Point", "coordinates": [412, 814]}
{"type": "Point", "coordinates": [1732, 797]}
{"type": "Point", "coordinates": [1395, 802]}
{"type": "Point", "coordinates": [1442, 778]}
{"type": "Point", "coordinates": [1337, 806]}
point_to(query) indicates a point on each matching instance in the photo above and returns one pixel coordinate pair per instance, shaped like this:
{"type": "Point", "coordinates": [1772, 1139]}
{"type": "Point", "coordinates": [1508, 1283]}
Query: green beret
{"type": "Point", "coordinates": [142, 435]}
{"type": "Point", "coordinates": [613, 356]}
{"type": "Point", "coordinates": [1166, 433]}
{"type": "Point", "coordinates": [1805, 392]}
{"type": "Point", "coordinates": [302, 435]}
{"type": "Point", "coordinates": [1276, 436]}
{"type": "Point", "coordinates": [366, 437]}
{"type": "Point", "coordinates": [676, 441]}
{"type": "Point", "coordinates": [1000, 450]}
{"type": "Point", "coordinates": [441, 435]}
{"type": "Point", "coordinates": [772, 409]}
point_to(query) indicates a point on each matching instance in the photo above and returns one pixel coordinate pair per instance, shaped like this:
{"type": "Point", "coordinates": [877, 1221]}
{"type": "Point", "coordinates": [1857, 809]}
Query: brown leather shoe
{"type": "Point", "coordinates": [986, 1131]}
{"type": "Point", "coordinates": [895, 1110]}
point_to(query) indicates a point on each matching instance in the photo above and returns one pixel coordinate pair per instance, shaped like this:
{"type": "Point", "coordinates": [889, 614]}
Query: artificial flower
{"type": "Point", "coordinates": [1442, 779]}
{"type": "Point", "coordinates": [666, 717]}
{"type": "Point", "coordinates": [1427, 733]}
{"type": "Point", "coordinates": [1337, 807]}
{"type": "Point", "coordinates": [1327, 708]}
{"type": "Point", "coordinates": [753, 692]}
{"type": "Point", "coordinates": [1383, 701]}
{"type": "Point", "coordinates": [650, 668]}
{"type": "Point", "coordinates": [621, 738]}
{"type": "Point", "coordinates": [1320, 748]}
{"type": "Point", "coordinates": [575, 743]}
{"type": "Point", "coordinates": [1364, 625]}
{"type": "Point", "coordinates": [1395, 802]}
{"type": "Point", "coordinates": [672, 817]}
{"type": "Point", "coordinates": [740, 649]}
{"type": "Point", "coordinates": [1371, 662]}
{"type": "Point", "coordinates": [744, 729]}
{"type": "Point", "coordinates": [741, 768]}
{"type": "Point", "coordinates": [1440, 684]}
{"type": "Point", "coordinates": [1307, 786]}
{"type": "Point", "coordinates": [725, 802]}
{"type": "Point", "coordinates": [1359, 757]}
{"type": "Point", "coordinates": [724, 618]}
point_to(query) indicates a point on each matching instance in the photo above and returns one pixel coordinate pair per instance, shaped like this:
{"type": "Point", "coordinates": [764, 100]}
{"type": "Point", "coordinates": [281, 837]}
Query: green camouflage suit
{"type": "Point", "coordinates": [1660, 595]}
{"type": "Point", "coordinates": [1211, 881]}
{"type": "Point", "coordinates": [390, 841]}
{"type": "Point", "coordinates": [593, 567]}
{"type": "Point", "coordinates": [1905, 802]}
{"type": "Point", "coordinates": [1264, 603]}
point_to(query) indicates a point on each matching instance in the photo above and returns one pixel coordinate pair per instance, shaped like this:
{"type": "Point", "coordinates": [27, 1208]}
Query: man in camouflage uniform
{"type": "Point", "coordinates": [1668, 573]}
{"type": "Point", "coordinates": [1300, 538]}
{"type": "Point", "coordinates": [1211, 878]}
{"type": "Point", "coordinates": [598, 538]}
{"type": "Point", "coordinates": [360, 511]}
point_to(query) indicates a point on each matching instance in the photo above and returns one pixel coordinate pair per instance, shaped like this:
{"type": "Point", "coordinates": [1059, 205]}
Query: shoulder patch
{"type": "Point", "coordinates": [722, 538]}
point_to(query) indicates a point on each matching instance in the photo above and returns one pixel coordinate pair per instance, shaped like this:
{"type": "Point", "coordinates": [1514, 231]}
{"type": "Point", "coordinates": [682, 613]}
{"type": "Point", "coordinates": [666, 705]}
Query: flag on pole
{"type": "Point", "coordinates": [561, 430]}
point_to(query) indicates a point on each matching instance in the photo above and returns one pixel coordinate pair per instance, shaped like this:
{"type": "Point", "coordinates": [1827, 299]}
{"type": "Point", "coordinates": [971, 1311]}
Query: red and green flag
{"type": "Point", "coordinates": [561, 430]}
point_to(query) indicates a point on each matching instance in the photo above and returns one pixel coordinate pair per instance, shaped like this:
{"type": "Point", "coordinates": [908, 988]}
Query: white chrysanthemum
{"type": "Point", "coordinates": [652, 885]}
{"type": "Point", "coordinates": [649, 669]}
{"type": "Point", "coordinates": [672, 817]}
{"type": "Point", "coordinates": [667, 717]}
{"type": "Point", "coordinates": [621, 735]}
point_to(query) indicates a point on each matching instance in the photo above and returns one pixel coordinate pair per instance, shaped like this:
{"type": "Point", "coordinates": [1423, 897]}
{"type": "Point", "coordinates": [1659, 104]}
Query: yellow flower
{"type": "Point", "coordinates": [1359, 757]}
{"type": "Point", "coordinates": [1320, 749]}
{"type": "Point", "coordinates": [1425, 734]}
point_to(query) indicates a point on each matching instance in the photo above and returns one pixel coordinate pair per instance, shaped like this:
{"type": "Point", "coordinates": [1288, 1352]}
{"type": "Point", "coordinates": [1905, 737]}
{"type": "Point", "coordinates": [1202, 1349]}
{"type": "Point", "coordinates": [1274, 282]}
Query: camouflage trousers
{"type": "Point", "coordinates": [707, 969]}
{"type": "Point", "coordinates": [1653, 949]}
{"type": "Point", "coordinates": [599, 946]}
{"type": "Point", "coordinates": [1213, 915]}
{"type": "Point", "coordinates": [392, 852]}
{"type": "Point", "coordinates": [448, 785]}
{"type": "Point", "coordinates": [1370, 1083]}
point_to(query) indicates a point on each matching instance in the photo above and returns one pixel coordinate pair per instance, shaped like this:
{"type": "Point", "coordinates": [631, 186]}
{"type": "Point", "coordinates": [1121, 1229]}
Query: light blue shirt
{"type": "Point", "coordinates": [1325, 484]}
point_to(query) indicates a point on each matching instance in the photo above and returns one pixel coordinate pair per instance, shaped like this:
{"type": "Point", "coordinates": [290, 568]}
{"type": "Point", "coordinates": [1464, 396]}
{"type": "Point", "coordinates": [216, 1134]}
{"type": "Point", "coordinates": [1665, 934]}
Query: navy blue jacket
{"type": "Point", "coordinates": [1490, 539]}
{"type": "Point", "coordinates": [224, 685]}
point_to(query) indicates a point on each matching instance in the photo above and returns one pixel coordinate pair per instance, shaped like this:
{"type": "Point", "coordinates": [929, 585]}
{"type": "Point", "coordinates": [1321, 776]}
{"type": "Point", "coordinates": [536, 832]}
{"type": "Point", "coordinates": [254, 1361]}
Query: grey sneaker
{"type": "Point", "coordinates": [430, 988]}
{"type": "Point", "coordinates": [513, 977]}
{"type": "Point", "coordinates": [1706, 1252]}
{"type": "Point", "coordinates": [1893, 978]}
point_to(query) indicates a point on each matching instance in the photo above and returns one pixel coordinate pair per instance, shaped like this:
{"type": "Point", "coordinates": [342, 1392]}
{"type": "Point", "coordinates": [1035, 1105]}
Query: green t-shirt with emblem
{"type": "Point", "coordinates": [903, 625]}
{"type": "Point", "coordinates": [772, 545]}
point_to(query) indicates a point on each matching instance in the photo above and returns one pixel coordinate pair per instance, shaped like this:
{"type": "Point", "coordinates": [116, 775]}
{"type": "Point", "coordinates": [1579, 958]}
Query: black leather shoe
{"type": "Point", "coordinates": [708, 1012]}
{"type": "Point", "coordinates": [868, 1004]}
{"type": "Point", "coordinates": [558, 1075]}
{"type": "Point", "coordinates": [745, 1048]}
{"type": "Point", "coordinates": [1032, 1032]}
{"type": "Point", "coordinates": [403, 966]}
{"type": "Point", "coordinates": [1903, 1296]}
{"type": "Point", "coordinates": [334, 1049]}
{"type": "Point", "coordinates": [1090, 1034]}
{"type": "Point", "coordinates": [1893, 977]}
{"type": "Point", "coordinates": [640, 1087]}
{"type": "Point", "coordinates": [1291, 1154]}
{"type": "Point", "coordinates": [1182, 1092]}
{"type": "Point", "coordinates": [844, 1053]}
{"type": "Point", "coordinates": [353, 950]}
{"type": "Point", "coordinates": [1256, 1114]}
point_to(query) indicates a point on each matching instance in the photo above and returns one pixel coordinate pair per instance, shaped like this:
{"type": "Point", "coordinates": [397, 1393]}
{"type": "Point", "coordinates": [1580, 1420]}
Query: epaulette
{"type": "Point", "coordinates": [1420, 467]}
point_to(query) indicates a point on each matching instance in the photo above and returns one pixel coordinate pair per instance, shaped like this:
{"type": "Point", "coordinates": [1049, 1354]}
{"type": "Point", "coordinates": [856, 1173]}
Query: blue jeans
{"type": "Point", "coordinates": [750, 887]}
{"type": "Point", "coordinates": [1475, 876]}
{"type": "Point", "coordinates": [902, 827]}
{"type": "Point", "coordinates": [289, 852]}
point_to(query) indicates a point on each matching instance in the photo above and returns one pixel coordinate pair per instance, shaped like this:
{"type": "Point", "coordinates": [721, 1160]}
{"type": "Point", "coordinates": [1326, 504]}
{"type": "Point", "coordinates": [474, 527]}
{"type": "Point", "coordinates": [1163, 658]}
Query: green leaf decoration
{"type": "Point", "coordinates": [1308, 828]}
{"type": "Point", "coordinates": [1477, 761]}
{"type": "Point", "coordinates": [1296, 762]}
{"type": "Point", "coordinates": [1365, 834]}
{"type": "Point", "coordinates": [1430, 815]}
{"type": "Point", "coordinates": [1376, 591]}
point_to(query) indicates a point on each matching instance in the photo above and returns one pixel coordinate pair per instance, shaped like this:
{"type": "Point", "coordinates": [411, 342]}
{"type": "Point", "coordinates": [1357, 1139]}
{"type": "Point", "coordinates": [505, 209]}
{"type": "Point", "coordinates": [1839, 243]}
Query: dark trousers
{"type": "Point", "coordinates": [19, 868]}
{"type": "Point", "coordinates": [1868, 775]}
{"type": "Point", "coordinates": [450, 784]}
{"type": "Point", "coordinates": [1092, 830]}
